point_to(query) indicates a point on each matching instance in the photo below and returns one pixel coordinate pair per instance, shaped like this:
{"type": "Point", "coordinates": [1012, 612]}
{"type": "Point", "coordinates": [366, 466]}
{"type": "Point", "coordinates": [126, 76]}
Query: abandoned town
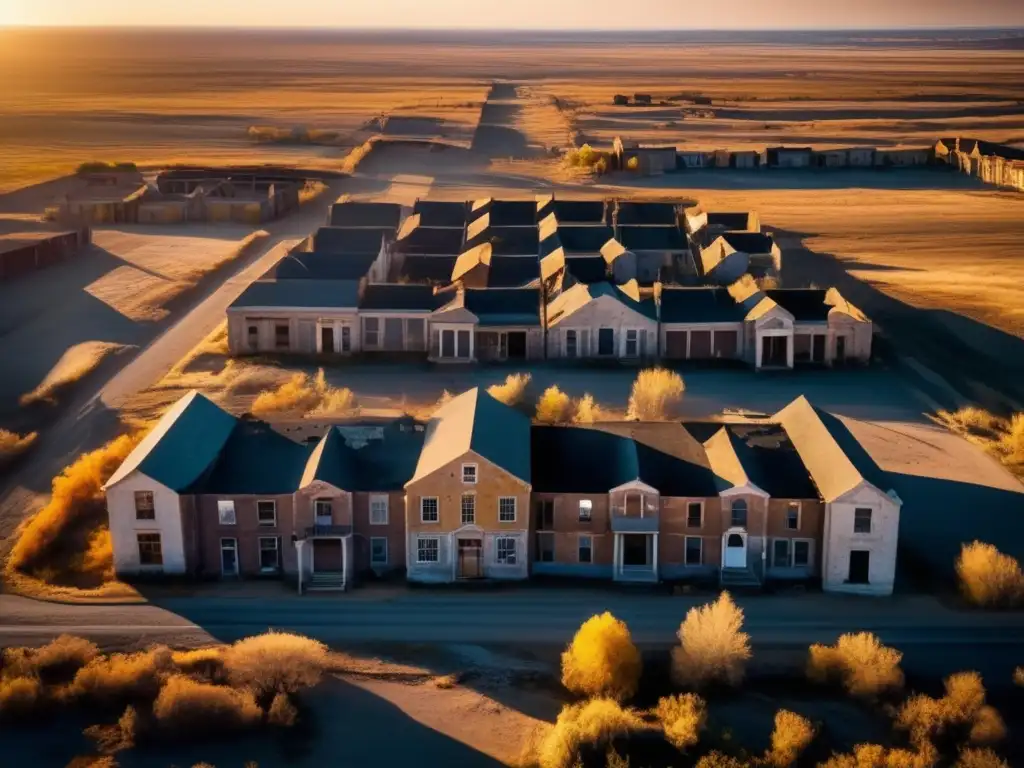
{"type": "Point", "coordinates": [547, 399]}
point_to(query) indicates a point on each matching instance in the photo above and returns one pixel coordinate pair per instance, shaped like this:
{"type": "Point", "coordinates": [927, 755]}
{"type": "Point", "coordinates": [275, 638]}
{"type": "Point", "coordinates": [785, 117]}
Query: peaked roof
{"type": "Point", "coordinates": [571, 211]}
{"type": "Point", "coordinates": [504, 306]}
{"type": "Point", "coordinates": [182, 446]}
{"type": "Point", "coordinates": [729, 460]}
{"type": "Point", "coordinates": [749, 242]}
{"type": "Point", "coordinates": [330, 462]}
{"type": "Point", "coordinates": [835, 460]}
{"type": "Point", "coordinates": [255, 460]}
{"type": "Point", "coordinates": [475, 421]}
{"type": "Point", "coordinates": [317, 265]}
{"type": "Point", "coordinates": [428, 269]}
{"type": "Point", "coordinates": [668, 457]}
{"type": "Point", "coordinates": [699, 305]}
{"type": "Point", "coordinates": [399, 297]}
{"type": "Point", "coordinates": [477, 256]}
{"type": "Point", "coordinates": [307, 294]}
{"type": "Point", "coordinates": [507, 213]}
{"type": "Point", "coordinates": [581, 294]}
{"type": "Point", "coordinates": [580, 459]}
{"type": "Point", "coordinates": [434, 213]}
{"type": "Point", "coordinates": [506, 241]}
{"type": "Point", "coordinates": [359, 214]}
{"type": "Point", "coordinates": [645, 212]}
{"type": "Point", "coordinates": [433, 241]}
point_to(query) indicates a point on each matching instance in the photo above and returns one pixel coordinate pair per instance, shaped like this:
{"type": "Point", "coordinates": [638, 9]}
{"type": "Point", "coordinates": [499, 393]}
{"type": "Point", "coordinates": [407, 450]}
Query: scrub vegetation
{"type": "Point", "coordinates": [304, 395]}
{"type": "Point", "coordinates": [989, 578]}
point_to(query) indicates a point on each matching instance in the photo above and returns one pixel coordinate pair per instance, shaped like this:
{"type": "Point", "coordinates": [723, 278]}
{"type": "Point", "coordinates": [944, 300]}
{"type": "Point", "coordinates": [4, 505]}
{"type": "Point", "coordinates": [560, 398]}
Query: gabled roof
{"type": "Point", "coordinates": [749, 242]}
{"type": "Point", "coordinates": [477, 256]}
{"type": "Point", "coordinates": [182, 446]}
{"type": "Point", "coordinates": [652, 238]}
{"type": "Point", "coordinates": [804, 304]}
{"type": "Point", "coordinates": [348, 240]}
{"type": "Point", "coordinates": [506, 213]}
{"type": "Point", "coordinates": [434, 213]}
{"type": "Point", "coordinates": [668, 457]}
{"type": "Point", "coordinates": [507, 241]}
{"type": "Point", "coordinates": [699, 305]}
{"type": "Point", "coordinates": [587, 269]}
{"type": "Point", "coordinates": [475, 421]}
{"type": "Point", "coordinates": [399, 297]}
{"type": "Point", "coordinates": [504, 306]}
{"type": "Point", "coordinates": [300, 294]}
{"type": "Point", "coordinates": [432, 241]}
{"type": "Point", "coordinates": [331, 462]}
{"type": "Point", "coordinates": [359, 214]}
{"type": "Point", "coordinates": [645, 213]}
{"type": "Point", "coordinates": [836, 461]}
{"type": "Point", "coordinates": [575, 298]}
{"type": "Point", "coordinates": [580, 460]}
{"type": "Point", "coordinates": [255, 460]}
{"type": "Point", "coordinates": [317, 265]}
{"type": "Point", "coordinates": [761, 454]}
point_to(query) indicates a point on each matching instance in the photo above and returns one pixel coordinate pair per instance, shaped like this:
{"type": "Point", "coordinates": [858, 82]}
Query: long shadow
{"type": "Point", "coordinates": [982, 363]}
{"type": "Point", "coordinates": [939, 516]}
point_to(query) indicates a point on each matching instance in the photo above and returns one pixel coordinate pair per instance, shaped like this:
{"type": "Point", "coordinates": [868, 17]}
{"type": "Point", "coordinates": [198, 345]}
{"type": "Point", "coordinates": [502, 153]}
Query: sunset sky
{"type": "Point", "coordinates": [520, 14]}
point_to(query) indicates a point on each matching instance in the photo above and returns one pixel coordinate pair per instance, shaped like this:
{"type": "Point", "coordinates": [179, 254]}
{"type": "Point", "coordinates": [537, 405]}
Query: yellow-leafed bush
{"type": "Point", "coordinates": [601, 660]}
{"type": "Point", "coordinates": [554, 406]}
{"type": "Point", "coordinates": [713, 647]}
{"type": "Point", "coordinates": [989, 578]}
{"type": "Point", "coordinates": [655, 392]}
{"type": "Point", "coordinates": [859, 662]}
{"type": "Point", "coordinates": [189, 708]}
{"type": "Point", "coordinates": [275, 662]}
{"type": "Point", "coordinates": [682, 718]}
{"type": "Point", "coordinates": [792, 734]}
{"type": "Point", "coordinates": [585, 728]}
{"type": "Point", "coordinates": [511, 391]}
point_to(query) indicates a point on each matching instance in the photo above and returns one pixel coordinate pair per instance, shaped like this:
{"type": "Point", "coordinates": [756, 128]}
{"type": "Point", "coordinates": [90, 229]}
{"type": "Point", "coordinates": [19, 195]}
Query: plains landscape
{"type": "Point", "coordinates": [97, 348]}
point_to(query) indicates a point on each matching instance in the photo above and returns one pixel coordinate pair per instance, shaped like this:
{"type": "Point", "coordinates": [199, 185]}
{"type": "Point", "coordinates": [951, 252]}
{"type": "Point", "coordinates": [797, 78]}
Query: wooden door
{"type": "Point", "coordinates": [470, 562]}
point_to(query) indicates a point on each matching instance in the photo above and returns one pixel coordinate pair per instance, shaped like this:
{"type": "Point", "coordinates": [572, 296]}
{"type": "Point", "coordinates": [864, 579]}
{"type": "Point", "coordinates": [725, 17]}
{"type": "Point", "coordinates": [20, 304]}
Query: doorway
{"type": "Point", "coordinates": [735, 550]}
{"type": "Point", "coordinates": [860, 566]}
{"type": "Point", "coordinates": [516, 345]}
{"type": "Point", "coordinates": [229, 557]}
{"type": "Point", "coordinates": [327, 339]}
{"type": "Point", "coordinates": [470, 561]}
{"type": "Point", "coordinates": [840, 349]}
{"type": "Point", "coordinates": [818, 348]}
{"type": "Point", "coordinates": [606, 341]}
{"type": "Point", "coordinates": [774, 351]}
{"type": "Point", "coordinates": [635, 550]}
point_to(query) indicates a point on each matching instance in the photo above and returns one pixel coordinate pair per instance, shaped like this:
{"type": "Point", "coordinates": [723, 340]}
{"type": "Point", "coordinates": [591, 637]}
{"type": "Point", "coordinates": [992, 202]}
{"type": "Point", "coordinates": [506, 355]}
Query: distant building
{"type": "Point", "coordinates": [644, 99]}
{"type": "Point", "coordinates": [790, 157]}
{"type": "Point", "coordinates": [620, 100]}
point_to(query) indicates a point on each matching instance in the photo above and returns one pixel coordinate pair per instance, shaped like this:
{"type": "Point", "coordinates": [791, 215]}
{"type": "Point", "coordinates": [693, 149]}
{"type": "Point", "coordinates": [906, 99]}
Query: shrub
{"type": "Point", "coordinates": [980, 758]}
{"type": "Point", "coordinates": [186, 706]}
{"type": "Point", "coordinates": [791, 736]}
{"type": "Point", "coordinates": [553, 407]}
{"type": "Point", "coordinates": [512, 390]}
{"type": "Point", "coordinates": [1012, 441]}
{"type": "Point", "coordinates": [302, 395]}
{"type": "Point", "coordinates": [654, 392]}
{"type": "Point", "coordinates": [682, 717]}
{"type": "Point", "coordinates": [56, 662]}
{"type": "Point", "coordinates": [98, 166]}
{"type": "Point", "coordinates": [19, 697]}
{"type": "Point", "coordinates": [633, 164]}
{"type": "Point", "coordinates": [989, 578]}
{"type": "Point", "coordinates": [13, 445]}
{"type": "Point", "coordinates": [122, 678]}
{"type": "Point", "coordinates": [584, 728]}
{"type": "Point", "coordinates": [202, 663]}
{"type": "Point", "coordinates": [587, 411]}
{"type": "Point", "coordinates": [98, 558]}
{"type": "Point", "coordinates": [601, 660]}
{"type": "Point", "coordinates": [716, 759]}
{"type": "Point", "coordinates": [119, 736]}
{"type": "Point", "coordinates": [960, 715]}
{"type": "Point", "coordinates": [713, 648]}
{"type": "Point", "coordinates": [587, 157]}
{"type": "Point", "coordinates": [77, 494]}
{"type": "Point", "coordinates": [858, 662]}
{"type": "Point", "coordinates": [275, 662]}
{"type": "Point", "coordinates": [282, 712]}
{"type": "Point", "coordinates": [876, 756]}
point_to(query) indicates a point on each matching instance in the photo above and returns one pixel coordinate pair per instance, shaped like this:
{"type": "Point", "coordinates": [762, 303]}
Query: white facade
{"type": "Point", "coordinates": [125, 526]}
{"type": "Point", "coordinates": [842, 537]}
{"type": "Point", "coordinates": [633, 335]}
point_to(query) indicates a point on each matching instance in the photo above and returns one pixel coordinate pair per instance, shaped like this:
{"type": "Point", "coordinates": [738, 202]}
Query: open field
{"type": "Point", "coordinates": [159, 97]}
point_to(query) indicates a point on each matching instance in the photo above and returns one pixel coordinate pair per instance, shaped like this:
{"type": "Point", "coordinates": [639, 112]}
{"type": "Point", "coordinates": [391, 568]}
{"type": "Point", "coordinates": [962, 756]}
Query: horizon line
{"type": "Point", "coordinates": [574, 30]}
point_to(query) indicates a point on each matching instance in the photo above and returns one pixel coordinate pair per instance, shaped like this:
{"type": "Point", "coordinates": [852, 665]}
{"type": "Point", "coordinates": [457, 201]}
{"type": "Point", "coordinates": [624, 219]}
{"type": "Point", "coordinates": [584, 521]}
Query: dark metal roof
{"type": "Point", "coordinates": [504, 306]}
{"type": "Point", "coordinates": [668, 456]}
{"type": "Point", "coordinates": [699, 305]}
{"type": "Point", "coordinates": [435, 213]}
{"type": "Point", "coordinates": [587, 269]}
{"type": "Point", "coordinates": [428, 269]}
{"type": "Point", "coordinates": [255, 460]}
{"type": "Point", "coordinates": [398, 297]}
{"type": "Point", "coordinates": [729, 221]}
{"type": "Point", "coordinates": [431, 241]}
{"type": "Point", "coordinates": [512, 271]}
{"type": "Point", "coordinates": [300, 294]}
{"type": "Point", "coordinates": [380, 464]}
{"type": "Point", "coordinates": [804, 304]}
{"type": "Point", "coordinates": [348, 240]}
{"type": "Point", "coordinates": [508, 213]}
{"type": "Point", "coordinates": [318, 265]}
{"type": "Point", "coordinates": [645, 213]}
{"type": "Point", "coordinates": [652, 238]}
{"type": "Point", "coordinates": [509, 241]}
{"type": "Point", "coordinates": [583, 239]}
{"type": "Point", "coordinates": [580, 460]}
{"type": "Point", "coordinates": [357, 214]}
{"type": "Point", "coordinates": [574, 211]}
{"type": "Point", "coordinates": [749, 242]}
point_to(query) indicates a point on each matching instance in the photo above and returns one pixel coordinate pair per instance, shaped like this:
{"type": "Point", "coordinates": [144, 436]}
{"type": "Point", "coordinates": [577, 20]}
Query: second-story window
{"type": "Point", "coordinates": [862, 520]}
{"type": "Point", "coordinates": [694, 514]}
{"type": "Point", "coordinates": [266, 513]}
{"type": "Point", "coordinates": [586, 510]}
{"type": "Point", "coordinates": [145, 509]}
{"type": "Point", "coordinates": [793, 516]}
{"type": "Point", "coordinates": [739, 513]}
{"type": "Point", "coordinates": [226, 512]}
{"type": "Point", "coordinates": [322, 510]}
{"type": "Point", "coordinates": [468, 508]}
{"type": "Point", "coordinates": [469, 474]}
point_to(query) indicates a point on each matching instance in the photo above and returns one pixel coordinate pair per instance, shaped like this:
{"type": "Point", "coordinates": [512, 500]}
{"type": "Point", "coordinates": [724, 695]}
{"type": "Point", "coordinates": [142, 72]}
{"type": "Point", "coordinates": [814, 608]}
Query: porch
{"type": "Point", "coordinates": [324, 558]}
{"type": "Point", "coordinates": [635, 556]}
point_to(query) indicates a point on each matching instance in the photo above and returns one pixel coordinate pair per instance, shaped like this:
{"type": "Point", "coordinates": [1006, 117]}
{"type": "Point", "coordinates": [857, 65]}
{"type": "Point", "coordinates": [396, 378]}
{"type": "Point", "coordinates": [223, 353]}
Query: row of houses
{"type": "Point", "coordinates": [523, 291]}
{"type": "Point", "coordinates": [652, 160]}
{"type": "Point", "coordinates": [997, 164]}
{"type": "Point", "coordinates": [478, 492]}
{"type": "Point", "coordinates": [177, 197]}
